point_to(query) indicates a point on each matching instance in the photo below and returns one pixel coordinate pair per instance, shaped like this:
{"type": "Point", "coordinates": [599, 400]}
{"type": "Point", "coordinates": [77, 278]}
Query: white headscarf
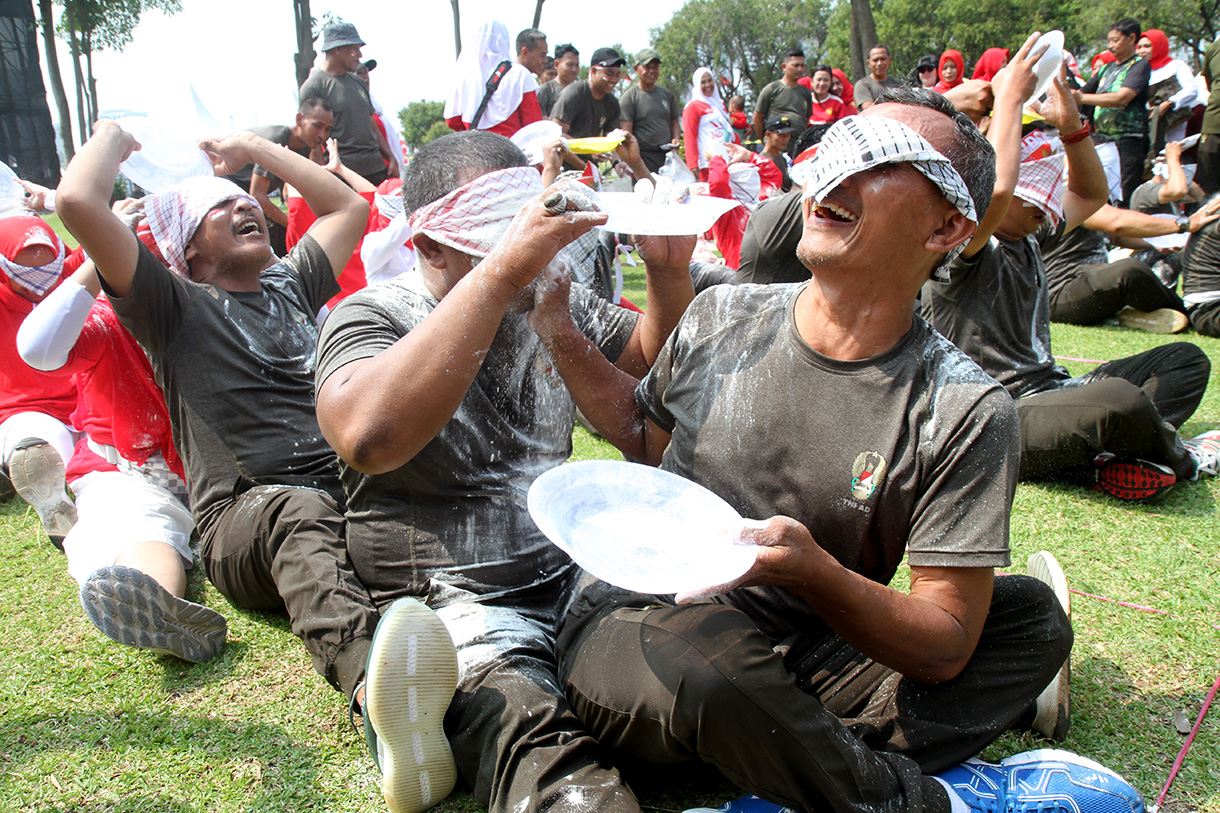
{"type": "Point", "coordinates": [475, 66]}
{"type": "Point", "coordinates": [713, 99]}
{"type": "Point", "coordinates": [174, 216]}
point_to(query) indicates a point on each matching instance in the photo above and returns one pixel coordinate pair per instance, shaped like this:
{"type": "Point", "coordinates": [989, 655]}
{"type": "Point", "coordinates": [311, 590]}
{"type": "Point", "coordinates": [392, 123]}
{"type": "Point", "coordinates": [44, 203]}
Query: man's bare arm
{"type": "Point", "coordinates": [928, 634]}
{"type": "Point", "coordinates": [379, 412]}
{"type": "Point", "coordinates": [259, 188]}
{"type": "Point", "coordinates": [342, 214]}
{"type": "Point", "coordinates": [83, 203]}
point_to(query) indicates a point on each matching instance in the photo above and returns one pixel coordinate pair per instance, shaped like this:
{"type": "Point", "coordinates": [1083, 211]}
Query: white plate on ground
{"type": "Point", "coordinates": [640, 528]}
{"type": "Point", "coordinates": [168, 154]}
{"type": "Point", "coordinates": [1167, 240]}
{"type": "Point", "coordinates": [1050, 63]}
{"type": "Point", "coordinates": [630, 215]}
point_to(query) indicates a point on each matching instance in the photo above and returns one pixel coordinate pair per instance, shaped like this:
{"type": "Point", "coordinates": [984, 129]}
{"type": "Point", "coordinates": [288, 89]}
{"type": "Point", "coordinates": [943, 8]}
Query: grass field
{"type": "Point", "coordinates": [86, 724]}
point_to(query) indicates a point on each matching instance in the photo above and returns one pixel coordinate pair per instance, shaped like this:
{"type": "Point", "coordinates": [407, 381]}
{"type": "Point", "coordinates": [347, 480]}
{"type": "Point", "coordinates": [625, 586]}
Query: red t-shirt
{"type": "Point", "coordinates": [351, 278]}
{"type": "Point", "coordinates": [22, 388]}
{"type": "Point", "coordinates": [828, 110]}
{"type": "Point", "coordinates": [120, 404]}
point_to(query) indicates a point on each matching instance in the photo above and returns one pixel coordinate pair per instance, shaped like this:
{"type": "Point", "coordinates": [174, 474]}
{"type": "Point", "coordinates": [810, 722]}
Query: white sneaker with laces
{"type": "Point", "coordinates": [1205, 449]}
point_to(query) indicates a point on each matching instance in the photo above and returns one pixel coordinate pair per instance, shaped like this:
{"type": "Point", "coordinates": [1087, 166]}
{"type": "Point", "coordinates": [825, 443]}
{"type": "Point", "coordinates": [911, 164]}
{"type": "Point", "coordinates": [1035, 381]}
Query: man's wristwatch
{"type": "Point", "coordinates": [1183, 224]}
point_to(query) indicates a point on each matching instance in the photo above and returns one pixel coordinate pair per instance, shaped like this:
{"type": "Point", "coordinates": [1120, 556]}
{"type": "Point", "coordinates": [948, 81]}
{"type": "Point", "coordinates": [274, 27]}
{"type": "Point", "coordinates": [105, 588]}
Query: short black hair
{"type": "Point", "coordinates": [441, 166]}
{"type": "Point", "coordinates": [312, 104]}
{"type": "Point", "coordinates": [529, 39]}
{"type": "Point", "coordinates": [811, 135]}
{"type": "Point", "coordinates": [885, 48]}
{"type": "Point", "coordinates": [1128, 27]}
{"type": "Point", "coordinates": [793, 53]}
{"type": "Point", "coordinates": [566, 48]}
{"type": "Point", "coordinates": [970, 153]}
{"type": "Point", "coordinates": [823, 69]}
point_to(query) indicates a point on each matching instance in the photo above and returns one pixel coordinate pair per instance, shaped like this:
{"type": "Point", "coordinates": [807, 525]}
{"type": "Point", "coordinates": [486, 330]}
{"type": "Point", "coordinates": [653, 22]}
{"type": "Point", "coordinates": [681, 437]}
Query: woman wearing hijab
{"type": "Point", "coordinates": [951, 70]}
{"type": "Point", "coordinates": [514, 103]}
{"type": "Point", "coordinates": [1172, 91]}
{"type": "Point", "coordinates": [842, 87]}
{"type": "Point", "coordinates": [705, 122]}
{"type": "Point", "coordinates": [989, 63]}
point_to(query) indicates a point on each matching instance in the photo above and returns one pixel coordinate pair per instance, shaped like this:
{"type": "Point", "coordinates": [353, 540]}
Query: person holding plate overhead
{"type": "Point", "coordinates": [443, 392]}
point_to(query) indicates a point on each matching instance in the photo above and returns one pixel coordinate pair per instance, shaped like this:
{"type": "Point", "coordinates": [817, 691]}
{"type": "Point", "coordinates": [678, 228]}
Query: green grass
{"type": "Point", "coordinates": [86, 724]}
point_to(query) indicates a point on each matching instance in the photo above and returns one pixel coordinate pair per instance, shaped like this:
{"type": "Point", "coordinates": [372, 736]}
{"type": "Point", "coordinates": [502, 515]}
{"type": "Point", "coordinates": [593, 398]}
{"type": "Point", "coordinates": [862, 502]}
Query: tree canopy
{"type": "Point", "coordinates": [740, 40]}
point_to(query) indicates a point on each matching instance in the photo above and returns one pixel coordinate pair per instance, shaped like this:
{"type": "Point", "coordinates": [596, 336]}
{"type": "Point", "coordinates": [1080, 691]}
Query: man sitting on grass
{"type": "Point", "coordinates": [442, 393]}
{"type": "Point", "coordinates": [231, 334]}
{"type": "Point", "coordinates": [865, 436]}
{"type": "Point", "coordinates": [1122, 416]}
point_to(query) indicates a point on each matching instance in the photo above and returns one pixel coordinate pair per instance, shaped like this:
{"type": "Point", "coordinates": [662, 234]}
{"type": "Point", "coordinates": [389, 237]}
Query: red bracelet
{"type": "Point", "coordinates": [1080, 135]}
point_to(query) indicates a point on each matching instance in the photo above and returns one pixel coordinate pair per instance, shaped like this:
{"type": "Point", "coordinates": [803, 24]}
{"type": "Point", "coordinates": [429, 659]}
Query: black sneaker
{"type": "Point", "coordinates": [1132, 479]}
{"type": "Point", "coordinates": [130, 607]}
{"type": "Point", "coordinates": [411, 676]}
{"type": "Point", "coordinates": [37, 472]}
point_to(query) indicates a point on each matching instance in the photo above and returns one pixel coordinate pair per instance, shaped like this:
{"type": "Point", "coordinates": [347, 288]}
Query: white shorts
{"type": "Point", "coordinates": [117, 510]}
{"type": "Point", "coordinates": [16, 428]}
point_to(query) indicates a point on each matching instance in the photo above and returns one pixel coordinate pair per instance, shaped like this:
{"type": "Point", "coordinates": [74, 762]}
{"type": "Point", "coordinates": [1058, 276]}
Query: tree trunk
{"type": "Point", "coordinates": [457, 29]}
{"type": "Point", "coordinates": [91, 96]}
{"type": "Point", "coordinates": [538, 13]}
{"type": "Point", "coordinates": [57, 80]}
{"type": "Point", "coordinates": [305, 54]}
{"type": "Point", "coordinates": [863, 37]}
{"type": "Point", "coordinates": [82, 117]}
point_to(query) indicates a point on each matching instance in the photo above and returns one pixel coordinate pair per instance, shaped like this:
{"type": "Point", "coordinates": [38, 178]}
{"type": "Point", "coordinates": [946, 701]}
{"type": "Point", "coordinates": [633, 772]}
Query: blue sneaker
{"type": "Point", "coordinates": [1042, 781]}
{"type": "Point", "coordinates": [411, 675]}
{"type": "Point", "coordinates": [746, 804]}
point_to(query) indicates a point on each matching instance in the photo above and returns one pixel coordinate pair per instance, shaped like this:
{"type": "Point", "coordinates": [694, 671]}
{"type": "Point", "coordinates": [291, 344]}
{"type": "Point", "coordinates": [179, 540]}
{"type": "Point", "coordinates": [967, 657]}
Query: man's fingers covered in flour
{"type": "Point", "coordinates": [547, 223]}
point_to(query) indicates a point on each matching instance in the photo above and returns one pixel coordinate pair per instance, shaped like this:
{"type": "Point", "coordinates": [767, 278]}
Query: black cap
{"type": "Point", "coordinates": [780, 124]}
{"type": "Point", "coordinates": [607, 58]}
{"type": "Point", "coordinates": [925, 61]}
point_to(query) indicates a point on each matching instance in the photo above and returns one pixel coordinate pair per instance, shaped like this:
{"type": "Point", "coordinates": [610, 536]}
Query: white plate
{"type": "Point", "coordinates": [534, 138]}
{"type": "Point", "coordinates": [1050, 63]}
{"type": "Point", "coordinates": [168, 154]}
{"type": "Point", "coordinates": [639, 527]}
{"type": "Point", "coordinates": [630, 215]}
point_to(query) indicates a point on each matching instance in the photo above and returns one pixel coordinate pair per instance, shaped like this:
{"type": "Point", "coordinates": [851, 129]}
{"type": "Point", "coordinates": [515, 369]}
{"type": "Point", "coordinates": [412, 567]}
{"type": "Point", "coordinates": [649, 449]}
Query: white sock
{"type": "Point", "coordinates": [958, 806]}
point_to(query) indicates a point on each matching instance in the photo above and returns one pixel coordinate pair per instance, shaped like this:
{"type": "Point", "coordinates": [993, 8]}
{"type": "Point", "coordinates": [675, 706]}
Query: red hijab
{"type": "Point", "coordinates": [989, 63]}
{"type": "Point", "coordinates": [848, 95]}
{"type": "Point", "coordinates": [956, 58]}
{"type": "Point", "coordinates": [1101, 59]}
{"type": "Point", "coordinates": [1160, 48]}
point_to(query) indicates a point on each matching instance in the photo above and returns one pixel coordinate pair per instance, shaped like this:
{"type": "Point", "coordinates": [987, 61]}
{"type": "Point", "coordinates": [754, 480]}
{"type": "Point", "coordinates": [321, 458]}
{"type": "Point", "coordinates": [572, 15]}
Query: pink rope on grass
{"type": "Point", "coordinates": [1207, 704]}
{"type": "Point", "coordinates": [1137, 607]}
{"type": "Point", "coordinates": [1177, 763]}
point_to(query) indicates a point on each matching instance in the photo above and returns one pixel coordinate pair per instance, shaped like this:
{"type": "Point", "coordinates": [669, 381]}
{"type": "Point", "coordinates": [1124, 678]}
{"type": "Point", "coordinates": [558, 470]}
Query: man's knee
{"type": "Point", "coordinates": [1028, 608]}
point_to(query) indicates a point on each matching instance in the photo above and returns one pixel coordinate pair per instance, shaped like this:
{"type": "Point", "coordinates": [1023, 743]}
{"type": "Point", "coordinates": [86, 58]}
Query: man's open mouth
{"type": "Point", "coordinates": [249, 227]}
{"type": "Point", "coordinates": [830, 211]}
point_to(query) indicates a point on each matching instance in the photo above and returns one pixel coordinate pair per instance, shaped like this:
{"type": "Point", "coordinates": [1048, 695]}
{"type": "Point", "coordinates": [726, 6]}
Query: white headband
{"type": "Point", "coordinates": [474, 217]}
{"type": "Point", "coordinates": [174, 216]}
{"type": "Point", "coordinates": [860, 143]}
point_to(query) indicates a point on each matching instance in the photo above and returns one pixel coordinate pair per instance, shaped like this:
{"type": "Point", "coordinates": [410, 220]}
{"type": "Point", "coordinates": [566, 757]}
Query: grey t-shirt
{"type": "Point", "coordinates": [586, 116]}
{"type": "Point", "coordinates": [1147, 199]}
{"type": "Point", "coordinates": [768, 247]}
{"type": "Point", "coordinates": [868, 88]}
{"type": "Point", "coordinates": [912, 451]}
{"type": "Point", "coordinates": [996, 308]}
{"type": "Point", "coordinates": [348, 99]}
{"type": "Point", "coordinates": [456, 512]}
{"type": "Point", "coordinates": [276, 134]}
{"type": "Point", "coordinates": [651, 113]}
{"type": "Point", "coordinates": [237, 371]}
{"type": "Point", "coordinates": [1064, 254]}
{"type": "Point", "coordinates": [777, 99]}
{"type": "Point", "coordinates": [548, 92]}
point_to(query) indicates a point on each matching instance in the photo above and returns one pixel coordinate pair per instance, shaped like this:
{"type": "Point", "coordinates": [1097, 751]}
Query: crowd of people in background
{"type": "Point", "coordinates": [344, 395]}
